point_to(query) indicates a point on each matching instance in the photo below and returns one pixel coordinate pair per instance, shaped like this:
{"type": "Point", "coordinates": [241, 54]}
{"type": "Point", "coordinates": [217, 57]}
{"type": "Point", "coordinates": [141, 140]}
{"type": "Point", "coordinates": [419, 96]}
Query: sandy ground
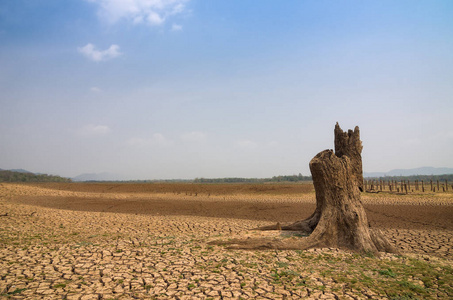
{"type": "Point", "coordinates": [79, 243]}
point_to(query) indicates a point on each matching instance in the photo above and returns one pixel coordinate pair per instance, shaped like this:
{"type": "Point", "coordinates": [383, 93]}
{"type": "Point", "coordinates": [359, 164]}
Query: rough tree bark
{"type": "Point", "coordinates": [339, 219]}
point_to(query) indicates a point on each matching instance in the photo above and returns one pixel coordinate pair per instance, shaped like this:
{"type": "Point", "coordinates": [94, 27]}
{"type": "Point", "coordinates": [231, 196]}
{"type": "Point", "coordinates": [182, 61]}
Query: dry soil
{"type": "Point", "coordinates": [124, 241]}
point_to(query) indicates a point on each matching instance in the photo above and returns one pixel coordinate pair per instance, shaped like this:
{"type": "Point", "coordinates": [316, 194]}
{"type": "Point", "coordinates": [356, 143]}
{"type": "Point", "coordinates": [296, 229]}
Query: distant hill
{"type": "Point", "coordinates": [25, 175]}
{"type": "Point", "coordinates": [20, 171]}
{"type": "Point", "coordinates": [20, 175]}
{"type": "Point", "coordinates": [410, 172]}
{"type": "Point", "coordinates": [105, 176]}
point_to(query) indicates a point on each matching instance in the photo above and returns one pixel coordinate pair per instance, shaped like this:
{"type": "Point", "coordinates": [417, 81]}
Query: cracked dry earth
{"type": "Point", "coordinates": [123, 245]}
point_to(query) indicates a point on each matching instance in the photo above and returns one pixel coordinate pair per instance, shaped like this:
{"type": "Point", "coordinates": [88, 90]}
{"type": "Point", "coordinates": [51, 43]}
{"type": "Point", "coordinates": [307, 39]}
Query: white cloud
{"type": "Point", "coordinates": [154, 18]}
{"type": "Point", "coordinates": [194, 136]}
{"type": "Point", "coordinates": [153, 12]}
{"type": "Point", "coordinates": [94, 130]}
{"type": "Point", "coordinates": [90, 51]}
{"type": "Point", "coordinates": [176, 27]}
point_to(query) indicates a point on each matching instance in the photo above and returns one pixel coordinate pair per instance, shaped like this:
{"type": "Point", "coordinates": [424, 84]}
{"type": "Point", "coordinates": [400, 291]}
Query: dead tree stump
{"type": "Point", "coordinates": [339, 219]}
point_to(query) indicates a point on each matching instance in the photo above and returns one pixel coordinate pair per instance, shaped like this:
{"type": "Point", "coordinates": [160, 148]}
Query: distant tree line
{"type": "Point", "coordinates": [10, 176]}
{"type": "Point", "coordinates": [290, 178]}
{"type": "Point", "coordinates": [228, 180]}
{"type": "Point", "coordinates": [142, 181]}
{"type": "Point", "coordinates": [425, 178]}
{"type": "Point", "coordinates": [286, 178]}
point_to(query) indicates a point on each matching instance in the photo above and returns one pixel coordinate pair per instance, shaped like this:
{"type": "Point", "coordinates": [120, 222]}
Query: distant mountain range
{"type": "Point", "coordinates": [409, 172]}
{"type": "Point", "coordinates": [105, 176]}
{"type": "Point", "coordinates": [396, 172]}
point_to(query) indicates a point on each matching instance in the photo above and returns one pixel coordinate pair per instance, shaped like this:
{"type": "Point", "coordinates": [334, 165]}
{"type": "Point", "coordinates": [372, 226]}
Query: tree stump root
{"type": "Point", "coordinates": [339, 220]}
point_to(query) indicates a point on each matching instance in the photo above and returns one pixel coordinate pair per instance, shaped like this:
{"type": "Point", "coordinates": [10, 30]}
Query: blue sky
{"type": "Point", "coordinates": [154, 89]}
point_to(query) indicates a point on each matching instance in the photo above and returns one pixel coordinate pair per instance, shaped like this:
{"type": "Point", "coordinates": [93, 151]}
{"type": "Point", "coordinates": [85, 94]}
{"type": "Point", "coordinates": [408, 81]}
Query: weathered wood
{"type": "Point", "coordinates": [343, 221]}
{"type": "Point", "coordinates": [339, 219]}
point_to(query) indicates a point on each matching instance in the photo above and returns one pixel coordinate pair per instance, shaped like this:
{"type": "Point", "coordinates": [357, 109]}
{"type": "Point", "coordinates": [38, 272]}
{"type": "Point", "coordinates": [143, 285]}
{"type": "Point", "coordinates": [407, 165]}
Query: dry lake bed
{"type": "Point", "coordinates": [150, 241]}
